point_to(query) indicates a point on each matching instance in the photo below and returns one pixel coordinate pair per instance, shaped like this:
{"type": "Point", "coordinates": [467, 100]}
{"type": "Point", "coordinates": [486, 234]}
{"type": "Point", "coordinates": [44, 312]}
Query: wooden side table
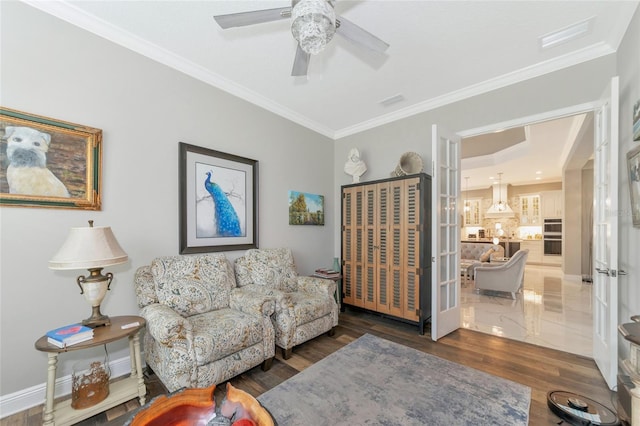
{"type": "Point", "coordinates": [119, 391]}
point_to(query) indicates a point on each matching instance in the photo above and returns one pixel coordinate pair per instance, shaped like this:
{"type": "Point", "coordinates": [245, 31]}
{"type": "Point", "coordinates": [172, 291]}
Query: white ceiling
{"type": "Point", "coordinates": [538, 154]}
{"type": "Point", "coordinates": [441, 52]}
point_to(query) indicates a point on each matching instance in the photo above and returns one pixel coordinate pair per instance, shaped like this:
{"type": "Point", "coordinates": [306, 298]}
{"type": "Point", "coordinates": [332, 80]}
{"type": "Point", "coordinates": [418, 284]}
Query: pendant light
{"type": "Point", "coordinates": [466, 194]}
{"type": "Point", "coordinates": [500, 206]}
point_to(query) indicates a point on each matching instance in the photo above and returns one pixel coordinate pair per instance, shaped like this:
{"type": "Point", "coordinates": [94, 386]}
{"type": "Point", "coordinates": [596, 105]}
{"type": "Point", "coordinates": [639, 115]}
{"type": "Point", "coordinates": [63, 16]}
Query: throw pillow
{"type": "Point", "coordinates": [484, 257]}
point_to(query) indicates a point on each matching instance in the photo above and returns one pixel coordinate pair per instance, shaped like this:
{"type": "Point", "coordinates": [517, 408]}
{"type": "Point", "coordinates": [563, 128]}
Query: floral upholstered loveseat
{"type": "Point", "coordinates": [201, 329]}
{"type": "Point", "coordinates": [305, 306]}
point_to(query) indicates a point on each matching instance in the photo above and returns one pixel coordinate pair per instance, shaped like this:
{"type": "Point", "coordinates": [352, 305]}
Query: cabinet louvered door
{"type": "Point", "coordinates": [349, 249]}
{"type": "Point", "coordinates": [383, 245]}
{"type": "Point", "coordinates": [382, 251]}
{"type": "Point", "coordinates": [396, 245]}
{"type": "Point", "coordinates": [370, 248]}
{"type": "Point", "coordinates": [358, 276]}
{"type": "Point", "coordinates": [412, 270]}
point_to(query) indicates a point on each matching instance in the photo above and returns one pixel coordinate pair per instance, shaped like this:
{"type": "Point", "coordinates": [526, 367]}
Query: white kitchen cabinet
{"type": "Point", "coordinates": [535, 250]}
{"type": "Point", "coordinates": [530, 210]}
{"type": "Point", "coordinates": [552, 260]}
{"type": "Point", "coordinates": [552, 205]}
{"type": "Point", "coordinates": [473, 215]}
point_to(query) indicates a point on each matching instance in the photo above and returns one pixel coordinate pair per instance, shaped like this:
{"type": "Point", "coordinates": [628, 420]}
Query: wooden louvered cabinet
{"type": "Point", "coordinates": [386, 255]}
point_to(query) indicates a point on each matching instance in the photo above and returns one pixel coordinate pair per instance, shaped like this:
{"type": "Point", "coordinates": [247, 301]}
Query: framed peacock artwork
{"type": "Point", "coordinates": [218, 193]}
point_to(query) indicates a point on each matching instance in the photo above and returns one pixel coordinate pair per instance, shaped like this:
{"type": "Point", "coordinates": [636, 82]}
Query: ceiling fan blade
{"type": "Point", "coordinates": [300, 63]}
{"type": "Point", "coordinates": [242, 19]}
{"type": "Point", "coordinates": [359, 35]}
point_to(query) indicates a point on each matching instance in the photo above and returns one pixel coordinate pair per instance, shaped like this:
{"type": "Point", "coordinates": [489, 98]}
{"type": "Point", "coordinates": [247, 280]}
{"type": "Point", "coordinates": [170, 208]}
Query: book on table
{"type": "Point", "coordinates": [69, 335]}
{"type": "Point", "coordinates": [326, 273]}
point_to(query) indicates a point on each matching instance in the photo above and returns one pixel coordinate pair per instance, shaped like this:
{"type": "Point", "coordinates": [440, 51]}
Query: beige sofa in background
{"type": "Point", "coordinates": [474, 254]}
{"type": "Point", "coordinates": [475, 251]}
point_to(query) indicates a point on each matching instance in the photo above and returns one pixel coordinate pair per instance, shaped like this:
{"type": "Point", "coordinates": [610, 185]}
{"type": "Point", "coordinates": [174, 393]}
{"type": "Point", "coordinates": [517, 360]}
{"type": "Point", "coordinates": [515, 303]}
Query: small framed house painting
{"type": "Point", "coordinates": [45, 162]}
{"type": "Point", "coordinates": [633, 165]}
{"type": "Point", "coordinates": [218, 200]}
{"type": "Point", "coordinates": [306, 209]}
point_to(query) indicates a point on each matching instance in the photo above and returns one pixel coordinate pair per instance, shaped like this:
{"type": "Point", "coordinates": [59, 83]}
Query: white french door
{"type": "Point", "coordinates": [605, 232]}
{"type": "Point", "coordinates": [445, 229]}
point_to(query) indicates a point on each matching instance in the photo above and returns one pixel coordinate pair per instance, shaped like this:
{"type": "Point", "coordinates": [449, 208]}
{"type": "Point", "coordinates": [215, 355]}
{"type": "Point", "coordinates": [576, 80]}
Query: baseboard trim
{"type": "Point", "coordinates": [24, 399]}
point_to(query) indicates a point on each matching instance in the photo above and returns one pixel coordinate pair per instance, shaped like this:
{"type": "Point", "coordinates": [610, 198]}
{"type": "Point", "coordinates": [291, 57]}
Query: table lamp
{"type": "Point", "coordinates": [91, 248]}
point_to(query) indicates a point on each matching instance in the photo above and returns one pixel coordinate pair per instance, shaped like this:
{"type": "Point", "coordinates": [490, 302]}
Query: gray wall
{"type": "Point", "coordinates": [584, 83]}
{"type": "Point", "coordinates": [382, 146]}
{"type": "Point", "coordinates": [54, 69]}
{"type": "Point", "coordinates": [577, 225]}
{"type": "Point", "coordinates": [628, 63]}
{"type": "Point", "coordinates": [572, 223]}
{"type": "Point", "coordinates": [587, 220]}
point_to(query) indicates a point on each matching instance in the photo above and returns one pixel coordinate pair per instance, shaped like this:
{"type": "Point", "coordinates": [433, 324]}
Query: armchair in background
{"type": "Point", "coordinates": [507, 277]}
{"type": "Point", "coordinates": [201, 329]}
{"type": "Point", "coordinates": [305, 306]}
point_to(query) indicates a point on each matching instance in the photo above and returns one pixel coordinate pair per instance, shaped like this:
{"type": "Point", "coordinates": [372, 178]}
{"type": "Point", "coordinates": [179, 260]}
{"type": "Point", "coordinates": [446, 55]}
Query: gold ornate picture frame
{"type": "Point", "coordinates": [46, 162]}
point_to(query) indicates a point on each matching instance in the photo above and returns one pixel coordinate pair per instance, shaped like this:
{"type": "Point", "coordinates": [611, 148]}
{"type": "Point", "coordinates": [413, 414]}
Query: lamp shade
{"type": "Point", "coordinates": [91, 247]}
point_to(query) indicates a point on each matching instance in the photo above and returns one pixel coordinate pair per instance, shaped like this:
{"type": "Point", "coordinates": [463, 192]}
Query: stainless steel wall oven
{"type": "Point", "coordinates": [552, 226]}
{"type": "Point", "coordinates": [552, 237]}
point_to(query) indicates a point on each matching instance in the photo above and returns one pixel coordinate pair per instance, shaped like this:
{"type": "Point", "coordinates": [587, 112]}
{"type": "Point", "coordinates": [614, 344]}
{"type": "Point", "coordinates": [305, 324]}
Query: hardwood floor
{"type": "Point", "coordinates": [540, 368]}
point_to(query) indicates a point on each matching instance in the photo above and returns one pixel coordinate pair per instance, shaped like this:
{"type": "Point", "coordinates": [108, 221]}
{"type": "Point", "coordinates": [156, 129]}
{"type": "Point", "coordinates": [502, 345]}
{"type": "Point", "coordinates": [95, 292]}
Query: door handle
{"type": "Point", "coordinates": [622, 272]}
{"type": "Point", "coordinates": [603, 271]}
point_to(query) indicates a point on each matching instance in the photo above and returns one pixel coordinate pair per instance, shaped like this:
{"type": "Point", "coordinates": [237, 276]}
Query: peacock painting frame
{"type": "Point", "coordinates": [218, 200]}
{"type": "Point", "coordinates": [48, 163]}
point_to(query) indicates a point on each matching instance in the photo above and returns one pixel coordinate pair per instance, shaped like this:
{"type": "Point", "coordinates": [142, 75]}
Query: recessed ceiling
{"type": "Point", "coordinates": [441, 51]}
{"type": "Point", "coordinates": [535, 153]}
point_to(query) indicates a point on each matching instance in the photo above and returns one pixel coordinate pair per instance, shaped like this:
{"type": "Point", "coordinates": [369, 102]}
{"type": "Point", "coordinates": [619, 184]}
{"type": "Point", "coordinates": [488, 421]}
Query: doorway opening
{"type": "Point", "coordinates": [546, 168]}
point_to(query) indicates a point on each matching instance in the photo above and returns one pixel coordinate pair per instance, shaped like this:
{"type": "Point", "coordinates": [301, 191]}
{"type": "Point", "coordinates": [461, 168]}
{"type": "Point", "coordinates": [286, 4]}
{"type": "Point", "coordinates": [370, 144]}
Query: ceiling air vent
{"type": "Point", "coordinates": [565, 34]}
{"type": "Point", "coordinates": [392, 100]}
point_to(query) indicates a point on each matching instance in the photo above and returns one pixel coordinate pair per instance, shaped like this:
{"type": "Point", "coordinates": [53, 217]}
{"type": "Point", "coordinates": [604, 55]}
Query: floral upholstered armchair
{"type": "Point", "coordinates": [201, 329]}
{"type": "Point", "coordinates": [305, 306]}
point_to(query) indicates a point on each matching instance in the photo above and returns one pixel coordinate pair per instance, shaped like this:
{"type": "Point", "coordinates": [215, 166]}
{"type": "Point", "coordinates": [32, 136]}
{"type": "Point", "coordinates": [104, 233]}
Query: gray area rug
{"type": "Point", "coordinates": [373, 381]}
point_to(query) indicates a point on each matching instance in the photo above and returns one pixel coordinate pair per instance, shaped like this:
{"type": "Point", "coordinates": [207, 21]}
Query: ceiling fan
{"type": "Point", "coordinates": [313, 25]}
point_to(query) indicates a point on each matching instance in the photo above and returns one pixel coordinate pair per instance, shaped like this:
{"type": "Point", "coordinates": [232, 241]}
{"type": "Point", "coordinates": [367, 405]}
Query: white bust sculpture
{"type": "Point", "coordinates": [354, 165]}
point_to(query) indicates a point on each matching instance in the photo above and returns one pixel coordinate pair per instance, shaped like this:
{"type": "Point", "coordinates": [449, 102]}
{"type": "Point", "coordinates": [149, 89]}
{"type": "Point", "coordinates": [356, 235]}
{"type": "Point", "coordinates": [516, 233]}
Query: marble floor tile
{"type": "Point", "coordinates": [550, 311]}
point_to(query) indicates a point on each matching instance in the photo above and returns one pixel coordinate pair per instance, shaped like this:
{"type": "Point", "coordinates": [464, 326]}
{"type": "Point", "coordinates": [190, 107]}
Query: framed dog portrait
{"type": "Point", "coordinates": [46, 162]}
{"type": "Point", "coordinates": [218, 200]}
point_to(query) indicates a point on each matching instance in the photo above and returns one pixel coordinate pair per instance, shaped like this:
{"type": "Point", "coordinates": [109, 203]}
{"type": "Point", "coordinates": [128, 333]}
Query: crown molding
{"type": "Point", "coordinates": [78, 17]}
{"type": "Point", "coordinates": [587, 54]}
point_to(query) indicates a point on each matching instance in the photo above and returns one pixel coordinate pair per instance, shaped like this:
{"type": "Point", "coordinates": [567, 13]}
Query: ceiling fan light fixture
{"type": "Point", "coordinates": [313, 24]}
